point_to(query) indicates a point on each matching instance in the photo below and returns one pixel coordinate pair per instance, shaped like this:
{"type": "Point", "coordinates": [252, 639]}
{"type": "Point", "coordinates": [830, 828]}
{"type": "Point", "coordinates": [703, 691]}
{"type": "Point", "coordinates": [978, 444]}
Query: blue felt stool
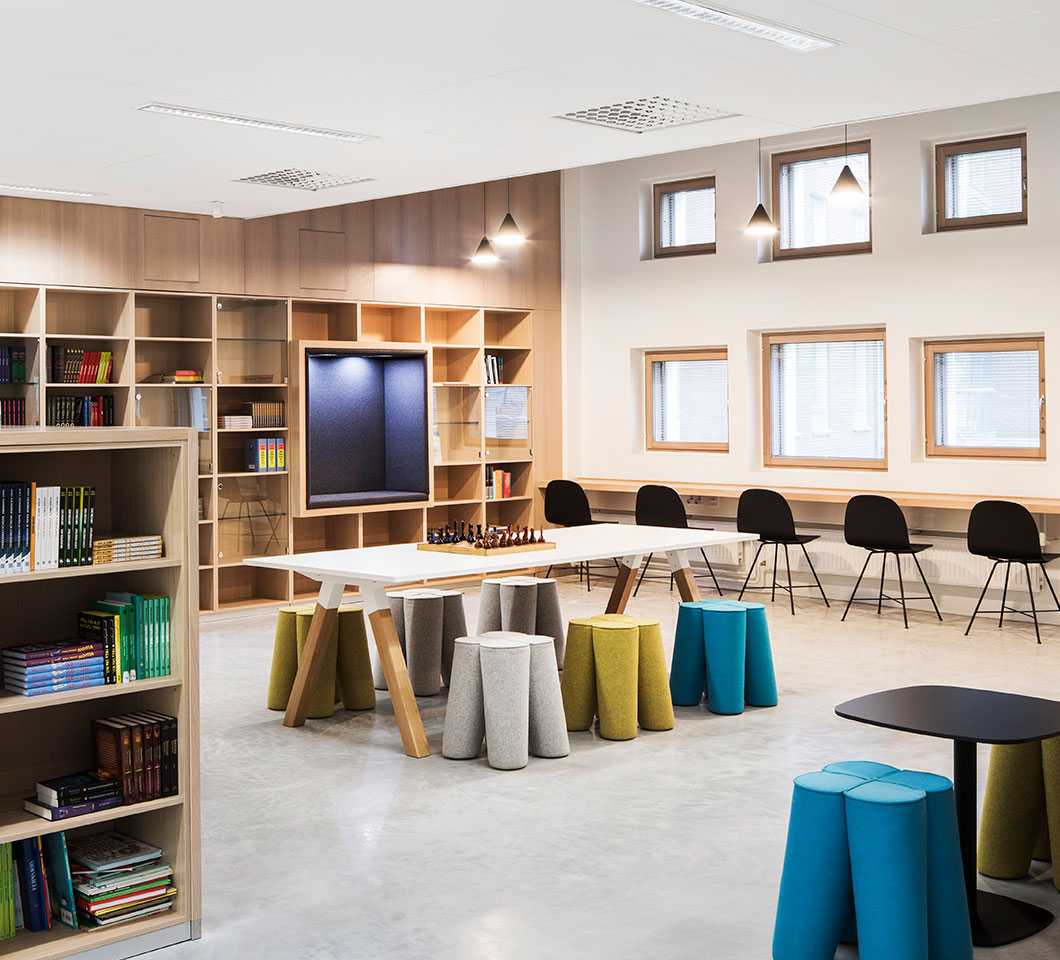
{"type": "Point", "coordinates": [725, 641]}
{"type": "Point", "coordinates": [761, 681]}
{"type": "Point", "coordinates": [816, 894]}
{"type": "Point", "coordinates": [688, 668]}
{"type": "Point", "coordinates": [865, 769]}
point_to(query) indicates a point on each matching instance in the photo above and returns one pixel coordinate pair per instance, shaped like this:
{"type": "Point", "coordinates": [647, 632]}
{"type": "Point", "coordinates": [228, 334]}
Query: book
{"type": "Point", "coordinates": [43, 653]}
{"type": "Point", "coordinates": [60, 881]}
{"type": "Point", "coordinates": [56, 687]}
{"type": "Point", "coordinates": [35, 906]}
{"type": "Point", "coordinates": [75, 788]}
{"type": "Point", "coordinates": [114, 760]}
{"type": "Point", "coordinates": [137, 914]}
{"type": "Point", "coordinates": [66, 811]}
{"type": "Point", "coordinates": [101, 884]}
{"type": "Point", "coordinates": [110, 851]}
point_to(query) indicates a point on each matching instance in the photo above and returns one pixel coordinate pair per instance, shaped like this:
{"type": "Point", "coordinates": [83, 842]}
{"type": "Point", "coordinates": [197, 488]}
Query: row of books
{"type": "Point", "coordinates": [44, 528]}
{"type": "Point", "coordinates": [494, 368]}
{"type": "Point", "coordinates": [76, 365]}
{"type": "Point", "coordinates": [146, 546]}
{"type": "Point", "coordinates": [498, 483]}
{"type": "Point", "coordinates": [266, 454]}
{"type": "Point", "coordinates": [255, 414]}
{"type": "Point", "coordinates": [12, 412]}
{"type": "Point", "coordinates": [12, 363]}
{"type": "Point", "coordinates": [85, 881]}
{"type": "Point", "coordinates": [176, 376]}
{"type": "Point", "coordinates": [70, 410]}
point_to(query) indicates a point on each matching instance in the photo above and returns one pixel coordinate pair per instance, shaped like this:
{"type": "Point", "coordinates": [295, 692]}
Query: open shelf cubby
{"type": "Point", "coordinates": [459, 482]}
{"type": "Point", "coordinates": [522, 477]}
{"type": "Point", "coordinates": [440, 516]}
{"type": "Point", "coordinates": [121, 362]}
{"type": "Point", "coordinates": [391, 323]}
{"type": "Point", "coordinates": [20, 311]}
{"type": "Point", "coordinates": [392, 526]}
{"type": "Point", "coordinates": [515, 513]}
{"type": "Point", "coordinates": [323, 320]}
{"type": "Point", "coordinates": [88, 313]}
{"type": "Point", "coordinates": [452, 326]}
{"type": "Point", "coordinates": [241, 586]}
{"type": "Point", "coordinates": [458, 365]}
{"type": "Point", "coordinates": [509, 328]}
{"type": "Point", "coordinates": [162, 316]}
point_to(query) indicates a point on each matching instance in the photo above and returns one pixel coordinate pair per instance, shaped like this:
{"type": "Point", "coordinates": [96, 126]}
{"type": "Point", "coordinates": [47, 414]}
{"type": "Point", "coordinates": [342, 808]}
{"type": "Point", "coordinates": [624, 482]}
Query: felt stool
{"type": "Point", "coordinates": [616, 671]}
{"type": "Point", "coordinates": [427, 622]}
{"type": "Point", "coordinates": [354, 662]}
{"type": "Point", "coordinates": [465, 721]}
{"type": "Point", "coordinates": [548, 725]}
{"type": "Point", "coordinates": [505, 665]}
{"type": "Point", "coordinates": [528, 605]}
{"type": "Point", "coordinates": [1020, 821]}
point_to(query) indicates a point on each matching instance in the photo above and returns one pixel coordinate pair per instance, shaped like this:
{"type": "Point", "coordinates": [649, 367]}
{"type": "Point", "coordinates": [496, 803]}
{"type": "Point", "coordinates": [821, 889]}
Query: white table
{"type": "Point", "coordinates": [373, 569]}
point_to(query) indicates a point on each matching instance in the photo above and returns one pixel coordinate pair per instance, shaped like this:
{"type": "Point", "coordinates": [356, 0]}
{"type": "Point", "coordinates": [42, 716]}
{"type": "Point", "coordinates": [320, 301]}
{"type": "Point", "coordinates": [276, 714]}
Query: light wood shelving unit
{"type": "Point", "coordinates": [242, 346]}
{"type": "Point", "coordinates": [145, 480]}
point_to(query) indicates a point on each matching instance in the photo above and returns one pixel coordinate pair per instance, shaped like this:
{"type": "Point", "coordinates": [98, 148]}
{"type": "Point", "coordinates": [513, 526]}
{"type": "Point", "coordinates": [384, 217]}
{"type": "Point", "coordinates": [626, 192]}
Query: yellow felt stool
{"type": "Point", "coordinates": [615, 653]}
{"type": "Point", "coordinates": [655, 709]}
{"type": "Point", "coordinates": [284, 659]}
{"type": "Point", "coordinates": [356, 689]}
{"type": "Point", "coordinates": [578, 681]}
{"type": "Point", "coordinates": [1021, 809]}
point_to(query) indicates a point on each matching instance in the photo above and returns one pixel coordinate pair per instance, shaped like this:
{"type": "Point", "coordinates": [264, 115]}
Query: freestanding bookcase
{"type": "Point", "coordinates": [145, 481]}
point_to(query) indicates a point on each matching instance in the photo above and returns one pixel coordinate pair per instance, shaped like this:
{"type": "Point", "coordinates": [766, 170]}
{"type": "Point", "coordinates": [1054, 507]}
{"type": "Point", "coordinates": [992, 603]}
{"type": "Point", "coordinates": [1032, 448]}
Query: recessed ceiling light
{"type": "Point", "coordinates": [192, 113]}
{"type": "Point", "coordinates": [763, 29]}
{"type": "Point", "coordinates": [51, 191]}
{"type": "Point", "coordinates": [647, 113]}
{"type": "Point", "coordinates": [302, 179]}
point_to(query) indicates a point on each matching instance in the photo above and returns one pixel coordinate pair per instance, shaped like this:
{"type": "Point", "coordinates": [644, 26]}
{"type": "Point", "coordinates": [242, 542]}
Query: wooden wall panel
{"type": "Point", "coordinates": [222, 254]}
{"type": "Point", "coordinates": [401, 247]}
{"type": "Point", "coordinates": [322, 260]}
{"type": "Point", "coordinates": [97, 245]}
{"type": "Point", "coordinates": [547, 401]}
{"type": "Point", "coordinates": [171, 248]}
{"type": "Point", "coordinates": [29, 240]}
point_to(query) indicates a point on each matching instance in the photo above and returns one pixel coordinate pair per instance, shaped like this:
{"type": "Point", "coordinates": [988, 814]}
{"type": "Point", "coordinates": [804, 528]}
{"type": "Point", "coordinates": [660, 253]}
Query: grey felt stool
{"type": "Point", "coordinates": [527, 605]}
{"type": "Point", "coordinates": [427, 623]}
{"type": "Point", "coordinates": [505, 665]}
{"type": "Point", "coordinates": [465, 723]}
{"type": "Point", "coordinates": [548, 723]}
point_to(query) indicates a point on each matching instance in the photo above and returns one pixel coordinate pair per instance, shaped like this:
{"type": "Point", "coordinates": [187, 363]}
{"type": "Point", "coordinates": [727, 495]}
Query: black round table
{"type": "Point", "coordinates": [969, 717]}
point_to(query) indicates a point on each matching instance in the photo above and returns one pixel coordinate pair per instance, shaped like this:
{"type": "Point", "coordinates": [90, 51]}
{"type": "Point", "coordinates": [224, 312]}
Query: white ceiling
{"type": "Point", "coordinates": [457, 91]}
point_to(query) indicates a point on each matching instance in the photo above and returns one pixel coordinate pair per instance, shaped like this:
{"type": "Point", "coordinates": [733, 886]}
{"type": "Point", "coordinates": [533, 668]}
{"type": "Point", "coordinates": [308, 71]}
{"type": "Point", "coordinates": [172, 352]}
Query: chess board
{"type": "Point", "coordinates": [470, 550]}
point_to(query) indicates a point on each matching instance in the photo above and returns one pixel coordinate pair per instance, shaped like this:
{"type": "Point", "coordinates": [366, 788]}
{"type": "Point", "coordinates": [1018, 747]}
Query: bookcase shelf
{"type": "Point", "coordinates": [17, 824]}
{"type": "Point", "coordinates": [62, 941]}
{"type": "Point", "coordinates": [65, 573]}
{"type": "Point", "coordinates": [13, 703]}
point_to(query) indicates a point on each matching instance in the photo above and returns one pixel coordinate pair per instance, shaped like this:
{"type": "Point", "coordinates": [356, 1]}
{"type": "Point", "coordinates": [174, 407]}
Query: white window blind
{"type": "Point", "coordinates": [983, 184]}
{"type": "Point", "coordinates": [690, 401]}
{"type": "Point", "coordinates": [987, 399]}
{"type": "Point", "coordinates": [686, 217]}
{"type": "Point", "coordinates": [807, 218]}
{"type": "Point", "coordinates": [827, 399]}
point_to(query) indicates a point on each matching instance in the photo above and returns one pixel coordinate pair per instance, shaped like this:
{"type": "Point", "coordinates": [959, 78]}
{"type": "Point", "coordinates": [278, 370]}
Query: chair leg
{"type": "Point", "coordinates": [776, 553]}
{"type": "Point", "coordinates": [643, 571]}
{"type": "Point", "coordinates": [1004, 596]}
{"type": "Point", "coordinates": [816, 578]}
{"type": "Point", "coordinates": [927, 587]}
{"type": "Point", "coordinates": [853, 593]}
{"type": "Point", "coordinates": [986, 586]}
{"type": "Point", "coordinates": [1034, 609]}
{"type": "Point", "coordinates": [671, 583]}
{"type": "Point", "coordinates": [791, 590]}
{"type": "Point", "coordinates": [901, 589]}
{"type": "Point", "coordinates": [751, 570]}
{"type": "Point", "coordinates": [588, 578]}
{"type": "Point", "coordinates": [548, 572]}
{"type": "Point", "coordinates": [717, 585]}
{"type": "Point", "coordinates": [883, 573]}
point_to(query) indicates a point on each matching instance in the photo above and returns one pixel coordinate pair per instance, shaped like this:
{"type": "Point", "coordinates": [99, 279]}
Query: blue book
{"type": "Point", "coordinates": [60, 881]}
{"type": "Point", "coordinates": [34, 682]}
{"type": "Point", "coordinates": [56, 687]}
{"type": "Point", "coordinates": [31, 879]}
{"type": "Point", "coordinates": [65, 666]}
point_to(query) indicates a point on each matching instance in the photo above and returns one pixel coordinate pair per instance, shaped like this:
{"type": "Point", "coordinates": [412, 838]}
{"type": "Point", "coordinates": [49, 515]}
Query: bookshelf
{"type": "Point", "coordinates": [242, 346]}
{"type": "Point", "coordinates": [145, 479]}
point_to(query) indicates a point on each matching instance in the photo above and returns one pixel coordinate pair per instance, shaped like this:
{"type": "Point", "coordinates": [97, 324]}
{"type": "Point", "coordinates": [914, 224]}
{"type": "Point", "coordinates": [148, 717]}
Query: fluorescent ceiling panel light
{"type": "Point", "coordinates": [192, 113]}
{"type": "Point", "coordinates": [741, 23]}
{"type": "Point", "coordinates": [647, 113]}
{"type": "Point", "coordinates": [302, 179]}
{"type": "Point", "coordinates": [51, 191]}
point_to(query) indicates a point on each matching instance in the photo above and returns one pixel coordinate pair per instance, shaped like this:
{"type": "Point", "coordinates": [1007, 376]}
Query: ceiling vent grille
{"type": "Point", "coordinates": [295, 179]}
{"type": "Point", "coordinates": [647, 113]}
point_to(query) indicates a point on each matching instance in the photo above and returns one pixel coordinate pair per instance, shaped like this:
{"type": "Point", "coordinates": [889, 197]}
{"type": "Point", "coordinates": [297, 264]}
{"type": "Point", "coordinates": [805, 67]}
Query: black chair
{"type": "Point", "coordinates": [878, 525]}
{"type": "Point", "coordinates": [767, 513]}
{"type": "Point", "coordinates": [566, 505]}
{"type": "Point", "coordinates": [659, 506]}
{"type": "Point", "coordinates": [1005, 532]}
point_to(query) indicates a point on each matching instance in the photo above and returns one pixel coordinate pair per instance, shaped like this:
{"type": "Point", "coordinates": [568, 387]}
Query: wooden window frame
{"type": "Point", "coordinates": [779, 160]}
{"type": "Point", "coordinates": [661, 356]}
{"type": "Point", "coordinates": [678, 186]}
{"type": "Point", "coordinates": [931, 447]}
{"type": "Point", "coordinates": [945, 150]}
{"type": "Point", "coordinates": [818, 336]}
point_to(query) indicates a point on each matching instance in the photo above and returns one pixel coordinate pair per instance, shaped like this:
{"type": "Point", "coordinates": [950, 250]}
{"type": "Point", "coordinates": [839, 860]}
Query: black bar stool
{"type": "Point", "coordinates": [878, 525]}
{"type": "Point", "coordinates": [767, 513]}
{"type": "Point", "coordinates": [660, 506]}
{"type": "Point", "coordinates": [1005, 532]}
{"type": "Point", "coordinates": [566, 505]}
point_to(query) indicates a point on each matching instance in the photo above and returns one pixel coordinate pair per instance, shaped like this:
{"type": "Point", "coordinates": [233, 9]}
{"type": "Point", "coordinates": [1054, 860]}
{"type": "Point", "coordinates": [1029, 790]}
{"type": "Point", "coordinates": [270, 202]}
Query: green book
{"type": "Point", "coordinates": [127, 634]}
{"type": "Point", "coordinates": [168, 638]}
{"type": "Point", "coordinates": [138, 630]}
{"type": "Point", "coordinates": [7, 903]}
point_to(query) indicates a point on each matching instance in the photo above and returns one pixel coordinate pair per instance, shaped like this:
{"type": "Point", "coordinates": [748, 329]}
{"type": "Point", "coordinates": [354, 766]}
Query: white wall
{"type": "Point", "coordinates": [1003, 280]}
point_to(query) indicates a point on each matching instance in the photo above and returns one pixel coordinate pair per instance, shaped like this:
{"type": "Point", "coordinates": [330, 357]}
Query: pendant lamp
{"type": "Point", "coordinates": [509, 234]}
{"type": "Point", "coordinates": [760, 225]}
{"type": "Point", "coordinates": [484, 255]}
{"type": "Point", "coordinates": [847, 190]}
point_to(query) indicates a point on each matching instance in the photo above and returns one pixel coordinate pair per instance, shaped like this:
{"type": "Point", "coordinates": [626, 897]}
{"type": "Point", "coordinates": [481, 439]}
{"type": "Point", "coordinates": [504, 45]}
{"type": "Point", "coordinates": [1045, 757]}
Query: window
{"type": "Point", "coordinates": [810, 224]}
{"type": "Point", "coordinates": [981, 183]}
{"type": "Point", "coordinates": [687, 400]}
{"type": "Point", "coordinates": [684, 217]}
{"type": "Point", "coordinates": [985, 398]}
{"type": "Point", "coordinates": [825, 399]}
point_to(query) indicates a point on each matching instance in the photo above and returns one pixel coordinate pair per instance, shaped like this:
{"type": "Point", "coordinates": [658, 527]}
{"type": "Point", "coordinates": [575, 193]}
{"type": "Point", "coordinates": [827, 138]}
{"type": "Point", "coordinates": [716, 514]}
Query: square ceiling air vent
{"type": "Point", "coordinates": [295, 179]}
{"type": "Point", "coordinates": [647, 113]}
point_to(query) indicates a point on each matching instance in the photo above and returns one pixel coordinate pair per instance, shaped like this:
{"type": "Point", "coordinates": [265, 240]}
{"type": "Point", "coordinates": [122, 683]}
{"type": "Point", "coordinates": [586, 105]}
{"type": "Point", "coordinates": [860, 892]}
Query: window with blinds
{"type": "Point", "coordinates": [684, 217]}
{"type": "Point", "coordinates": [981, 183]}
{"type": "Point", "coordinates": [687, 400]}
{"type": "Point", "coordinates": [985, 398]}
{"type": "Point", "coordinates": [827, 399]}
{"type": "Point", "coordinates": [809, 222]}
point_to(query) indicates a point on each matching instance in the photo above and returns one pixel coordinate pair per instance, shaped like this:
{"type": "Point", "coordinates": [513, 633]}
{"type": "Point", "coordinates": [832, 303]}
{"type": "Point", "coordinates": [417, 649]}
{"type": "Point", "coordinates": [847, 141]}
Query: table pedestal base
{"type": "Point", "coordinates": [999, 920]}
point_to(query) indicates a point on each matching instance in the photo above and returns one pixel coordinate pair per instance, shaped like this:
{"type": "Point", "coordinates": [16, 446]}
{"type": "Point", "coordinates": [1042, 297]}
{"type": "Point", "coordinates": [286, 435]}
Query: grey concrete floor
{"type": "Point", "coordinates": [326, 842]}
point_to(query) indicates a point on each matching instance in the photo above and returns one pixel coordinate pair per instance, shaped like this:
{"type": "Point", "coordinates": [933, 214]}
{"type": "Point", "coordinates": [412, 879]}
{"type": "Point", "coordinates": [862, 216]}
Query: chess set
{"type": "Point", "coordinates": [475, 540]}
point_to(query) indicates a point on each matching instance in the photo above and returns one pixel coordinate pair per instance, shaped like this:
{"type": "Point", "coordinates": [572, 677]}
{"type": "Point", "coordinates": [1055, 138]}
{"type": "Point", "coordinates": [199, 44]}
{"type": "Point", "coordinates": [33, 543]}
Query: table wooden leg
{"type": "Point", "coordinates": [683, 576]}
{"type": "Point", "coordinates": [623, 585]}
{"type": "Point", "coordinates": [325, 620]}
